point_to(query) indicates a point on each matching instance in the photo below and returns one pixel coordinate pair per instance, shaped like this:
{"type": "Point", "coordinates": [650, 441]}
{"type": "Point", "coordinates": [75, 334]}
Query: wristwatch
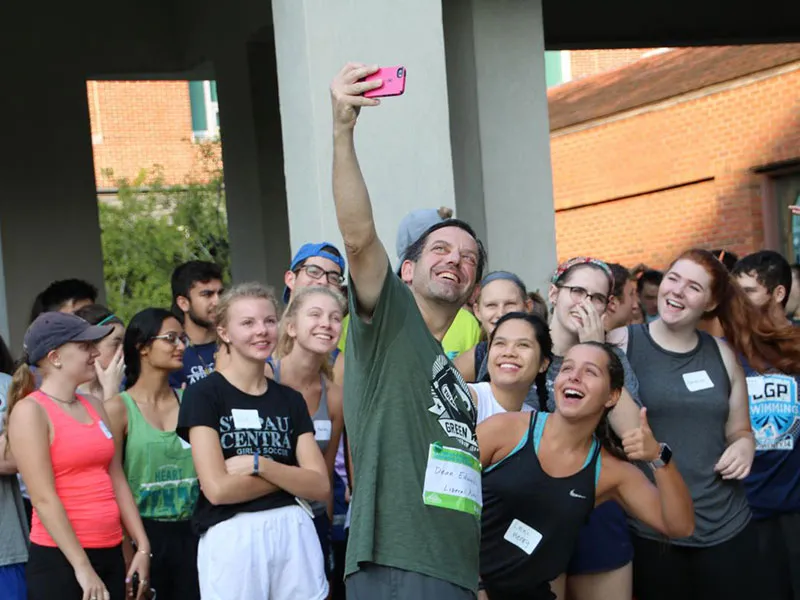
{"type": "Point", "coordinates": [663, 458]}
{"type": "Point", "coordinates": [255, 463]}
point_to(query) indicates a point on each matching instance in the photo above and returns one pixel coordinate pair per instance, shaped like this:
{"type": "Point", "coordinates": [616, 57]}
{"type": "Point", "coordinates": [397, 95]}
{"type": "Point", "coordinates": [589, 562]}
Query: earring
{"type": "Point", "coordinates": [57, 365]}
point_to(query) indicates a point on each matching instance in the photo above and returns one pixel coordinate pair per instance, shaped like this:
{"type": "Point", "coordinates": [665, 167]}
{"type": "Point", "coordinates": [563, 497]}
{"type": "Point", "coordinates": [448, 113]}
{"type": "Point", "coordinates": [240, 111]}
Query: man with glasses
{"type": "Point", "coordinates": [314, 265]}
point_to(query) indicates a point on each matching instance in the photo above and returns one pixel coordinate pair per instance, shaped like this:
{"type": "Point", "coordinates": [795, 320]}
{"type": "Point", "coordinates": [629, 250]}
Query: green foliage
{"type": "Point", "coordinates": [150, 228]}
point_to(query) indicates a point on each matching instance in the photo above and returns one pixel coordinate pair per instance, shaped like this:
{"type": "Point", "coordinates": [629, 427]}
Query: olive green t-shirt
{"type": "Point", "coordinates": [403, 395]}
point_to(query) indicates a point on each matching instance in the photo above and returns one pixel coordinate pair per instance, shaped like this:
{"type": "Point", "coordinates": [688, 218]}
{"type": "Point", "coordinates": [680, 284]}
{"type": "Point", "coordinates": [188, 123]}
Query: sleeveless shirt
{"type": "Point", "coordinates": [687, 399]}
{"type": "Point", "coordinates": [80, 455]}
{"type": "Point", "coordinates": [322, 425]}
{"type": "Point", "coordinates": [531, 520]}
{"type": "Point", "coordinates": [159, 468]}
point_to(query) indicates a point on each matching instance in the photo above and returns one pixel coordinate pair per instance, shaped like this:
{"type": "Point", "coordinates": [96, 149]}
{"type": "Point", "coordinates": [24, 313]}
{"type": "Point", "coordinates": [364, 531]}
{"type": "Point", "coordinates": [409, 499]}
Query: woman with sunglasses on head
{"type": "Point", "coordinates": [696, 395]}
{"type": "Point", "coordinates": [65, 452]}
{"type": "Point", "coordinates": [544, 472]}
{"type": "Point", "coordinates": [110, 365]}
{"type": "Point", "coordinates": [157, 463]}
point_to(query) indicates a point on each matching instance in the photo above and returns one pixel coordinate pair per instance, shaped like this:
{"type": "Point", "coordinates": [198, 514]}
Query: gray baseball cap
{"type": "Point", "coordinates": [52, 330]}
{"type": "Point", "coordinates": [413, 225]}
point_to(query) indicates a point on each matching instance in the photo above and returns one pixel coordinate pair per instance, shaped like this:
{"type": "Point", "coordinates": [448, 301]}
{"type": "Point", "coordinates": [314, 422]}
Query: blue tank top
{"type": "Point", "coordinates": [773, 486]}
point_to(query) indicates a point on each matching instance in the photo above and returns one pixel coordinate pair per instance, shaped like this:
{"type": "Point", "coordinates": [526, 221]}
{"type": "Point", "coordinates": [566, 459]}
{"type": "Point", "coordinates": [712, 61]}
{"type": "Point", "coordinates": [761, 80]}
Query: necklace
{"type": "Point", "coordinates": [67, 402]}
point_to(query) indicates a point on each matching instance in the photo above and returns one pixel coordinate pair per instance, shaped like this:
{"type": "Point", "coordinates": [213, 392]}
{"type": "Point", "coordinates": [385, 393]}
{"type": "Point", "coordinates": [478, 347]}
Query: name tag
{"type": "Point", "coordinates": [105, 430]}
{"type": "Point", "coordinates": [697, 381]}
{"type": "Point", "coordinates": [322, 431]}
{"type": "Point", "coordinates": [523, 536]}
{"type": "Point", "coordinates": [453, 480]}
{"type": "Point", "coordinates": [245, 419]}
{"type": "Point", "coordinates": [184, 444]}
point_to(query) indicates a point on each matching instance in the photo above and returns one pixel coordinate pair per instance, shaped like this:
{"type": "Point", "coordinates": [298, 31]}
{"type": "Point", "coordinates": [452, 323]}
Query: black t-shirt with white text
{"type": "Point", "coordinates": [270, 423]}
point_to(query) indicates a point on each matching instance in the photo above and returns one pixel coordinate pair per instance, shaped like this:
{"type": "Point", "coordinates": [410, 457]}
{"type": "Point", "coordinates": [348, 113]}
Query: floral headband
{"type": "Point", "coordinates": [578, 261]}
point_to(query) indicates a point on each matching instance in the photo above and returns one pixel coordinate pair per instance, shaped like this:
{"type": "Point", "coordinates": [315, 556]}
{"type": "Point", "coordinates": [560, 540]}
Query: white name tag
{"type": "Point", "coordinates": [184, 444]}
{"type": "Point", "coordinates": [453, 480]}
{"type": "Point", "coordinates": [523, 536]}
{"type": "Point", "coordinates": [245, 419]}
{"type": "Point", "coordinates": [322, 431]}
{"type": "Point", "coordinates": [699, 380]}
{"type": "Point", "coordinates": [105, 430]}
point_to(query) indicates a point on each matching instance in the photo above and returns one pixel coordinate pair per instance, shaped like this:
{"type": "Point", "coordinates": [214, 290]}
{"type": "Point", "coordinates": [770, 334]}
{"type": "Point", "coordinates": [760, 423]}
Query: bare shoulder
{"type": "Point", "coordinates": [728, 356]}
{"type": "Point", "coordinates": [613, 471]}
{"type": "Point", "coordinates": [505, 426]}
{"type": "Point", "coordinates": [115, 408]}
{"type": "Point", "coordinates": [28, 410]}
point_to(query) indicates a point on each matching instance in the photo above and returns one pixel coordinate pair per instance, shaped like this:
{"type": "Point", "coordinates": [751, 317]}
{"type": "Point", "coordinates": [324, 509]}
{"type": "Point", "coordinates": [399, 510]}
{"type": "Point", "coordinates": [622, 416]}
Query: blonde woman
{"type": "Point", "coordinates": [254, 451]}
{"type": "Point", "coordinates": [309, 333]}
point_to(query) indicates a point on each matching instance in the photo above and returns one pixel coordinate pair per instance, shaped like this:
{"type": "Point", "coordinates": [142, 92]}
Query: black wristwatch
{"type": "Point", "coordinates": [663, 458]}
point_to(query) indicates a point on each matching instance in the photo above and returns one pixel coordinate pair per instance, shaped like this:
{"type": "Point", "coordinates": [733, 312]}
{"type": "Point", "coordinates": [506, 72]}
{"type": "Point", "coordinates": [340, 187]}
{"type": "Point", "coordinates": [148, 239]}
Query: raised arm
{"type": "Point", "coordinates": [366, 256]}
{"type": "Point", "coordinates": [669, 508]}
{"type": "Point", "coordinates": [737, 459]}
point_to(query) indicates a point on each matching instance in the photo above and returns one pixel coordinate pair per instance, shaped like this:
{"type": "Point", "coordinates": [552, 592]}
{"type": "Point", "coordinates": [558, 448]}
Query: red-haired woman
{"type": "Point", "coordinates": [696, 397]}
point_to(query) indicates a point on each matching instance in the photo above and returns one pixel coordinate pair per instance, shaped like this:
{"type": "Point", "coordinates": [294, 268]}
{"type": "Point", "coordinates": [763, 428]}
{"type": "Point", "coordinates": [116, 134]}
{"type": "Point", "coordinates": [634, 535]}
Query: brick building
{"type": "Point", "coordinates": [653, 151]}
{"type": "Point", "coordinates": [690, 147]}
{"type": "Point", "coordinates": [146, 124]}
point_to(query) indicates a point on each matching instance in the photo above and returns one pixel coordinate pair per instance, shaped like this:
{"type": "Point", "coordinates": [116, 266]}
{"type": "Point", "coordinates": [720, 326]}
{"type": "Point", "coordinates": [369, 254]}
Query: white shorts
{"type": "Point", "coordinates": [269, 555]}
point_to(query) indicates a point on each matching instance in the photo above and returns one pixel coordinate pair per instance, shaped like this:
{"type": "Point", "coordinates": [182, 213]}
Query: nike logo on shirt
{"type": "Point", "coordinates": [575, 494]}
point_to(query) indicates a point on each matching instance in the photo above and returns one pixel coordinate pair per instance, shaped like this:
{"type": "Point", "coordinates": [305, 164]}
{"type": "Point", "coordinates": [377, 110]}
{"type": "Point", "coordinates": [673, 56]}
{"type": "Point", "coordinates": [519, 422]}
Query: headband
{"type": "Point", "coordinates": [504, 276]}
{"type": "Point", "coordinates": [109, 318]}
{"type": "Point", "coordinates": [562, 269]}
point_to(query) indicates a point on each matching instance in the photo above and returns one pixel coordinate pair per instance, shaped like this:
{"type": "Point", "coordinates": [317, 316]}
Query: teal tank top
{"type": "Point", "coordinates": [159, 468]}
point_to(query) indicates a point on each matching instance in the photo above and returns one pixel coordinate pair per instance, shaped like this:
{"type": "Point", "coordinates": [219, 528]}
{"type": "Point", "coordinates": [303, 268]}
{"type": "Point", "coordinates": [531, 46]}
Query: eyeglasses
{"type": "Point", "coordinates": [173, 338]}
{"type": "Point", "coordinates": [579, 294]}
{"type": "Point", "coordinates": [315, 272]}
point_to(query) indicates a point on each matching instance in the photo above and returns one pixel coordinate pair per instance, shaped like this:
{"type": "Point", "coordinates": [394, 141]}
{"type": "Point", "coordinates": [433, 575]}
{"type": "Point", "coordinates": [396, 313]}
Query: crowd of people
{"type": "Point", "coordinates": [426, 430]}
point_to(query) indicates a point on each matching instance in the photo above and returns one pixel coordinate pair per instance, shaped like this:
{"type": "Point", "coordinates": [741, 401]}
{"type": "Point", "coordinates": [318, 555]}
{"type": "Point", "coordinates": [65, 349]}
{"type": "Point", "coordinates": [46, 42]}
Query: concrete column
{"type": "Point", "coordinates": [49, 225]}
{"type": "Point", "coordinates": [253, 157]}
{"type": "Point", "coordinates": [500, 131]}
{"type": "Point", "coordinates": [403, 145]}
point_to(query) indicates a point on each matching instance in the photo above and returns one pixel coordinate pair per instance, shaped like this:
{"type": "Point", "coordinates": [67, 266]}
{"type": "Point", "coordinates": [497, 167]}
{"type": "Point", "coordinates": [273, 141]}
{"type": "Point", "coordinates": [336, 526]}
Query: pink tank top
{"type": "Point", "coordinates": [81, 455]}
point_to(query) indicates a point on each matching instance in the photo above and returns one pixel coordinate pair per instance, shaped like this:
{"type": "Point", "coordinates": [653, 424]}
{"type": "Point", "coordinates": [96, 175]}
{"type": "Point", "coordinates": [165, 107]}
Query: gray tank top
{"type": "Point", "coordinates": [686, 396]}
{"type": "Point", "coordinates": [321, 418]}
{"type": "Point", "coordinates": [322, 426]}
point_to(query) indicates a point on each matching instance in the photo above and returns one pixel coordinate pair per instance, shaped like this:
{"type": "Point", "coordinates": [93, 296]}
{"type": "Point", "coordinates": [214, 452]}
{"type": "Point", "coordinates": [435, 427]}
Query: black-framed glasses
{"type": "Point", "coordinates": [579, 294]}
{"type": "Point", "coordinates": [173, 338]}
{"type": "Point", "coordinates": [315, 272]}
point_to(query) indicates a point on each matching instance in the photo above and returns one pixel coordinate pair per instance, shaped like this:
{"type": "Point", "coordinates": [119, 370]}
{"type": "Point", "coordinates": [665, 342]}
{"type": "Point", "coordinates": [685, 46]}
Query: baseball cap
{"type": "Point", "coordinates": [51, 330]}
{"type": "Point", "coordinates": [310, 250]}
{"type": "Point", "coordinates": [413, 225]}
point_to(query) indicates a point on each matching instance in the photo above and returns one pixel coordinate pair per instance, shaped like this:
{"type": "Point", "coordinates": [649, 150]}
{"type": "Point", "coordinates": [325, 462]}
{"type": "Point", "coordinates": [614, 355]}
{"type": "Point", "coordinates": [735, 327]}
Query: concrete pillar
{"type": "Point", "coordinates": [49, 225]}
{"type": "Point", "coordinates": [253, 157]}
{"type": "Point", "coordinates": [500, 131]}
{"type": "Point", "coordinates": [403, 145]}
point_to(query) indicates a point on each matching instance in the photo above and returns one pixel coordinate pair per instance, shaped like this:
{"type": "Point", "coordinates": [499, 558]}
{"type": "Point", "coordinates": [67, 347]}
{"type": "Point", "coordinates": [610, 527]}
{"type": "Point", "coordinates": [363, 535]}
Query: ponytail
{"type": "Point", "coordinates": [541, 390]}
{"type": "Point", "coordinates": [608, 439]}
{"type": "Point", "coordinates": [22, 384]}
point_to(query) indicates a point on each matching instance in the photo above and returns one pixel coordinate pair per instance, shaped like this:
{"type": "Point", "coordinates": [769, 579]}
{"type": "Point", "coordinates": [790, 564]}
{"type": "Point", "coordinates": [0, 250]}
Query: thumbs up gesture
{"type": "Point", "coordinates": [639, 443]}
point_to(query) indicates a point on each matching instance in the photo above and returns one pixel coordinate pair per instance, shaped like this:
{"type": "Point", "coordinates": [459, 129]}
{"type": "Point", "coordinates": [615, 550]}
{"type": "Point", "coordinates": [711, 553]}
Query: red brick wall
{"type": "Point", "coordinates": [591, 62]}
{"type": "Point", "coordinates": [136, 125]}
{"type": "Point", "coordinates": [719, 137]}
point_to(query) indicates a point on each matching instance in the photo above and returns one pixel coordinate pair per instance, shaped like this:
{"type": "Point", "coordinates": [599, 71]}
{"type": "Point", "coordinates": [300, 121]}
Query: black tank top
{"type": "Point", "coordinates": [530, 520]}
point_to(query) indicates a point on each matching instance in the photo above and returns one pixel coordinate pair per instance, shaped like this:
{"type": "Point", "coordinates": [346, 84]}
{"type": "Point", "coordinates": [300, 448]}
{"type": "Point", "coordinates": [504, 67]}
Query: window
{"type": "Point", "coordinates": [205, 109]}
{"type": "Point", "coordinates": [787, 192]}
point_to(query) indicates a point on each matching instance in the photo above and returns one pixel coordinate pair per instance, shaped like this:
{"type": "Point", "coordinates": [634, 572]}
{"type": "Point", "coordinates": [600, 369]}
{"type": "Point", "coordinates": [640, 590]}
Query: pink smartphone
{"type": "Point", "coordinates": [394, 82]}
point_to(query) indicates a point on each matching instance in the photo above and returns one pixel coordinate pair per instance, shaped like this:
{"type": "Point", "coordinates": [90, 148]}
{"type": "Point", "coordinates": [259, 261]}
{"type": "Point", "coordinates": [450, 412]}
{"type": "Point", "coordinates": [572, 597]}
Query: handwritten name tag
{"type": "Point", "coordinates": [322, 430]}
{"type": "Point", "coordinates": [697, 381]}
{"type": "Point", "coordinates": [453, 480]}
{"type": "Point", "coordinates": [523, 536]}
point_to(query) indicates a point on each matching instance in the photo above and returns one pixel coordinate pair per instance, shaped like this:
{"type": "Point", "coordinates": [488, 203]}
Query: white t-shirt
{"type": "Point", "coordinates": [488, 406]}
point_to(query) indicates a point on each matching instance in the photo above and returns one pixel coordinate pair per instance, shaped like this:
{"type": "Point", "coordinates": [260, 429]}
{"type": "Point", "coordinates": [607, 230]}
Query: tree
{"type": "Point", "coordinates": [150, 228]}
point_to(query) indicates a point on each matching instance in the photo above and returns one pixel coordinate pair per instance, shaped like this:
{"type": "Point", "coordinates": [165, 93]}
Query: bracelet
{"type": "Point", "coordinates": [255, 462]}
{"type": "Point", "coordinates": [145, 552]}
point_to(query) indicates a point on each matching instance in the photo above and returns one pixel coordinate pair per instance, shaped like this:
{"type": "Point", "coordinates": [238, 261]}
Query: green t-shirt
{"type": "Point", "coordinates": [403, 395]}
{"type": "Point", "coordinates": [159, 468]}
{"type": "Point", "coordinates": [464, 334]}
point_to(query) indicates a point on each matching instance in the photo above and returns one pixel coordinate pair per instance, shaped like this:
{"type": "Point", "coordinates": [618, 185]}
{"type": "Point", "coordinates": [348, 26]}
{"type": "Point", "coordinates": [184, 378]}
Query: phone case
{"type": "Point", "coordinates": [394, 82]}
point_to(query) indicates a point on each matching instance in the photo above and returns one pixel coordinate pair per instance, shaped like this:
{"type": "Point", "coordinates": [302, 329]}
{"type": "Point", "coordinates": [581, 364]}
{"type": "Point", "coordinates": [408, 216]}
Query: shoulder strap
{"type": "Point", "coordinates": [276, 371]}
